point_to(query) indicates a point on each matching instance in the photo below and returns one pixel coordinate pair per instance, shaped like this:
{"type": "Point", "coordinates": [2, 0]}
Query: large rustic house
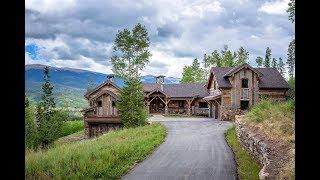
{"type": "Point", "coordinates": [227, 92]}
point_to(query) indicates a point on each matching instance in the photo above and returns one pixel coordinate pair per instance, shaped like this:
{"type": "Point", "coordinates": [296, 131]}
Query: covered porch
{"type": "Point", "coordinates": [214, 102]}
{"type": "Point", "coordinates": [158, 102]}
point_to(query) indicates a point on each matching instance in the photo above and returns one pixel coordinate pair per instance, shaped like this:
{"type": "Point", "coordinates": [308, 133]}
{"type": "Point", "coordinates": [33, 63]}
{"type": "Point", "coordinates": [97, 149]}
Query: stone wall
{"type": "Point", "coordinates": [258, 147]}
{"type": "Point", "coordinates": [97, 129]}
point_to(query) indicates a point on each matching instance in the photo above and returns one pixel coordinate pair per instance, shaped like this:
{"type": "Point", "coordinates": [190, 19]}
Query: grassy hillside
{"type": "Point", "coordinates": [277, 122]}
{"type": "Point", "coordinates": [65, 96]}
{"type": "Point", "coordinates": [70, 84]}
{"type": "Point", "coordinates": [107, 157]}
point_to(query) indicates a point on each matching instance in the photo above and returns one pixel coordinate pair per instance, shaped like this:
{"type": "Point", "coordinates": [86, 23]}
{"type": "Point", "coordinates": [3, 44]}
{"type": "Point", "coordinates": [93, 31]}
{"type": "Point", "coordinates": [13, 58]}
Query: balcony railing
{"type": "Point", "coordinates": [245, 93]}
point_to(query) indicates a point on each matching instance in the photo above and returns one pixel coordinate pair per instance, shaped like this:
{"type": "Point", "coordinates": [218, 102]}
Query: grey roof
{"type": "Point", "coordinates": [270, 79]}
{"type": "Point", "coordinates": [100, 86]}
{"type": "Point", "coordinates": [180, 90]}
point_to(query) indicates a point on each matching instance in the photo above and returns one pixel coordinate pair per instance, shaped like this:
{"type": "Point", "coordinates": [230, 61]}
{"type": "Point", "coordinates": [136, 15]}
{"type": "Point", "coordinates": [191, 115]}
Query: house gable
{"type": "Point", "coordinates": [106, 86]}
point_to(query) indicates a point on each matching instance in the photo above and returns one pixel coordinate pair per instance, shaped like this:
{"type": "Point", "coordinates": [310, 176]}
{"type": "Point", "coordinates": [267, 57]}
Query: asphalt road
{"type": "Point", "coordinates": [194, 149]}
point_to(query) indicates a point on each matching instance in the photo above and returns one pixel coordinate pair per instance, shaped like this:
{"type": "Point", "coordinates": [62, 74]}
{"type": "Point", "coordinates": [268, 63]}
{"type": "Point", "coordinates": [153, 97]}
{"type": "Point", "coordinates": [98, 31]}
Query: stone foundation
{"type": "Point", "coordinates": [97, 129]}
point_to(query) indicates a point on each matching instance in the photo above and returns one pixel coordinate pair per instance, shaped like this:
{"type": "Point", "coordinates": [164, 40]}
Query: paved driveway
{"type": "Point", "coordinates": [195, 148]}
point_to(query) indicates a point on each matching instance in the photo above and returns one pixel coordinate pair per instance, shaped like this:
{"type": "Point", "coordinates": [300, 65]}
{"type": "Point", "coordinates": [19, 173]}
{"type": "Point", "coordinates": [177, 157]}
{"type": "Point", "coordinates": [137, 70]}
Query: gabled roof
{"type": "Point", "coordinates": [270, 78]}
{"type": "Point", "coordinates": [107, 92]}
{"type": "Point", "coordinates": [157, 90]}
{"type": "Point", "coordinates": [179, 90]}
{"type": "Point", "coordinates": [100, 86]}
{"type": "Point", "coordinates": [238, 68]}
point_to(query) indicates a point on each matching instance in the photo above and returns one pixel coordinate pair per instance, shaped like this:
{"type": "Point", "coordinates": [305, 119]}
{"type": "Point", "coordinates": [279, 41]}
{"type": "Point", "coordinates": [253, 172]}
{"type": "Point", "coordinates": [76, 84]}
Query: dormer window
{"type": "Point", "coordinates": [244, 83]}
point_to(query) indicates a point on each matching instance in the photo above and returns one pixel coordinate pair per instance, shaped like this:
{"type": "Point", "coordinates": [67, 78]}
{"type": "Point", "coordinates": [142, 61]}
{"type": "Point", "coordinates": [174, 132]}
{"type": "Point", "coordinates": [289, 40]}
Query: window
{"type": "Point", "coordinates": [113, 103]}
{"type": "Point", "coordinates": [203, 105]}
{"type": "Point", "coordinates": [214, 84]}
{"type": "Point", "coordinates": [181, 104]}
{"type": "Point", "coordinates": [244, 83]}
{"type": "Point", "coordinates": [100, 103]}
{"type": "Point", "coordinates": [244, 105]}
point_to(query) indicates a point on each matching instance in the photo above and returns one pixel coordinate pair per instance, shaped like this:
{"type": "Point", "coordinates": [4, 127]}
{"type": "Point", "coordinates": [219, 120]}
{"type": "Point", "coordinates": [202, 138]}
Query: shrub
{"type": "Point", "coordinates": [31, 138]}
{"type": "Point", "coordinates": [70, 127]}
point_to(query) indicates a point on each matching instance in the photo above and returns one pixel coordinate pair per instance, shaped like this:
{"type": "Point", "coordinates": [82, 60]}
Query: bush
{"type": "Point", "coordinates": [259, 111]}
{"type": "Point", "coordinates": [70, 127]}
{"type": "Point", "coordinates": [132, 111]}
{"type": "Point", "coordinates": [106, 157]}
{"type": "Point", "coordinates": [31, 138]}
{"type": "Point", "coordinates": [50, 125]}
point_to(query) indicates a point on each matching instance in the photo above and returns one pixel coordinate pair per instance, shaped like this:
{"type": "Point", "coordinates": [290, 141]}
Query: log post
{"type": "Point", "coordinates": [189, 107]}
{"type": "Point", "coordinates": [166, 106]}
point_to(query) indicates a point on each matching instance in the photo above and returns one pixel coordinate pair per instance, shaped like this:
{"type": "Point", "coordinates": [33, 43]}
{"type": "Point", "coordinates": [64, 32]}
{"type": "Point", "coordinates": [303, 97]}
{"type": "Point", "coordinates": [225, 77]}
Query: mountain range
{"type": "Point", "coordinates": [71, 84]}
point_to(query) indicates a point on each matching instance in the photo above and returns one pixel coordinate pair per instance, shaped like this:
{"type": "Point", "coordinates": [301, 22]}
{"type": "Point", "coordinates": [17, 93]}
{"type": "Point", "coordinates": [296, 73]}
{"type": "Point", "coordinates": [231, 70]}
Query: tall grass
{"type": "Point", "coordinates": [107, 157]}
{"type": "Point", "coordinates": [274, 119]}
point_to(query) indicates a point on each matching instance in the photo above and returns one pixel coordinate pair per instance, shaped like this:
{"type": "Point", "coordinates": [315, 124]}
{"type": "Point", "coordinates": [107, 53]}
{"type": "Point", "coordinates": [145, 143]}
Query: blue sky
{"type": "Point", "coordinates": [80, 34]}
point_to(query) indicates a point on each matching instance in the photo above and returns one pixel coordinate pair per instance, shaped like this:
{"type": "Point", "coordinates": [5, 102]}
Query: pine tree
{"type": "Point", "coordinates": [48, 126]}
{"type": "Point", "coordinates": [291, 10]}
{"type": "Point", "coordinates": [267, 57]}
{"type": "Point", "coordinates": [281, 67]}
{"type": "Point", "coordinates": [274, 63]}
{"type": "Point", "coordinates": [291, 58]}
{"type": "Point", "coordinates": [131, 106]}
{"type": "Point", "coordinates": [259, 61]}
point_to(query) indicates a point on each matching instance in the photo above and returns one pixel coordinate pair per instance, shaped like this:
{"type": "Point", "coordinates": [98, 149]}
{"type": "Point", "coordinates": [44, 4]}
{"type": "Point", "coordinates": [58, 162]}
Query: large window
{"type": "Point", "coordinates": [203, 105]}
{"type": "Point", "coordinates": [244, 83]}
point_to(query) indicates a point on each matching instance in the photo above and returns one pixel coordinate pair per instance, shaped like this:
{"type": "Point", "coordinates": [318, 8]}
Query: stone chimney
{"type": "Point", "coordinates": [160, 81]}
{"type": "Point", "coordinates": [110, 77]}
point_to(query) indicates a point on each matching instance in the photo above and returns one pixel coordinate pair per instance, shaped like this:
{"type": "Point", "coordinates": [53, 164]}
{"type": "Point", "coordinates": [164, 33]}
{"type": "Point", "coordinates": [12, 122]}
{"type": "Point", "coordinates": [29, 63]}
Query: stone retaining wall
{"type": "Point", "coordinates": [257, 147]}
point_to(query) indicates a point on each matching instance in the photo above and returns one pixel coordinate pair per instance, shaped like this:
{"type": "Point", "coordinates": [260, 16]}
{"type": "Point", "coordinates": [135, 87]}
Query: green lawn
{"type": "Point", "coordinates": [108, 156]}
{"type": "Point", "coordinates": [247, 167]}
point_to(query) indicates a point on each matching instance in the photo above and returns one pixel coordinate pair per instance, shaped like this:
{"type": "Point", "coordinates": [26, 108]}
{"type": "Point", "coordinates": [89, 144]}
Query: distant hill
{"type": "Point", "coordinates": [70, 84]}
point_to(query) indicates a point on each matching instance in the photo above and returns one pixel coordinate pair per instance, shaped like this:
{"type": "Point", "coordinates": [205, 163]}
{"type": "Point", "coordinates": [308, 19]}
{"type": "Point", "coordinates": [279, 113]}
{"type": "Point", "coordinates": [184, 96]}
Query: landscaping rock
{"type": "Point", "coordinates": [269, 154]}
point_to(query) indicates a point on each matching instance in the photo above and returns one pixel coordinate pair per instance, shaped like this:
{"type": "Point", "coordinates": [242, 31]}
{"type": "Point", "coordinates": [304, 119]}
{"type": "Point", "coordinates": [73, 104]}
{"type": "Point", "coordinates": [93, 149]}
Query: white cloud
{"type": "Point", "coordinates": [80, 34]}
{"type": "Point", "coordinates": [50, 6]}
{"type": "Point", "coordinates": [173, 65]}
{"type": "Point", "coordinates": [277, 7]}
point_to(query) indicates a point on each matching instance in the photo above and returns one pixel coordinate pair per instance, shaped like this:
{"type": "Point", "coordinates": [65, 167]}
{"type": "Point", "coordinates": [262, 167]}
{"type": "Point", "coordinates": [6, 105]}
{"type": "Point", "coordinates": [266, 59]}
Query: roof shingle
{"type": "Point", "coordinates": [270, 79]}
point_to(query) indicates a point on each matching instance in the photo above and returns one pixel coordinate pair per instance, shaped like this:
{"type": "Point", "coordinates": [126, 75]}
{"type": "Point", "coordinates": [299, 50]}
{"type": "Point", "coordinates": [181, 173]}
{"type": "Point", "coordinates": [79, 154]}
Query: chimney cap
{"type": "Point", "coordinates": [110, 75]}
{"type": "Point", "coordinates": [160, 76]}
